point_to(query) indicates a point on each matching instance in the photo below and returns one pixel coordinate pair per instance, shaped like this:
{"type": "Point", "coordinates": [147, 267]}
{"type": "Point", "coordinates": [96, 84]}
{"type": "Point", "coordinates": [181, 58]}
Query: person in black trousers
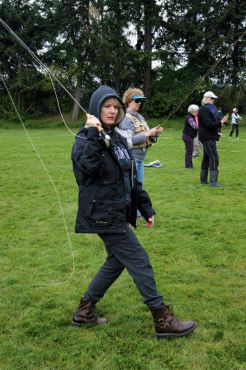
{"type": "Point", "coordinates": [109, 197]}
{"type": "Point", "coordinates": [189, 133]}
{"type": "Point", "coordinates": [210, 123]}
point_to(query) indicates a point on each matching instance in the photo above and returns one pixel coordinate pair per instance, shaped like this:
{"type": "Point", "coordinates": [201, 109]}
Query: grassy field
{"type": "Point", "coordinates": [197, 249]}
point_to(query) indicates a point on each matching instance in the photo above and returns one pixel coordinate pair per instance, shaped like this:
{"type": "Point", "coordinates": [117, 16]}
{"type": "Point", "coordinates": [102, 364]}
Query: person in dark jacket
{"type": "Point", "coordinates": [189, 133]}
{"type": "Point", "coordinates": [109, 197]}
{"type": "Point", "coordinates": [210, 124]}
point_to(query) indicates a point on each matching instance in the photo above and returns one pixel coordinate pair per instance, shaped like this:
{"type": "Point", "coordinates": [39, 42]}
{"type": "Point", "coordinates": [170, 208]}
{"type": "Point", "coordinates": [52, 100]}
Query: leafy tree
{"type": "Point", "coordinates": [199, 33]}
{"type": "Point", "coordinates": [69, 53]}
{"type": "Point", "coordinates": [16, 65]}
{"type": "Point", "coordinates": [181, 49]}
{"type": "Point", "coordinates": [111, 46]}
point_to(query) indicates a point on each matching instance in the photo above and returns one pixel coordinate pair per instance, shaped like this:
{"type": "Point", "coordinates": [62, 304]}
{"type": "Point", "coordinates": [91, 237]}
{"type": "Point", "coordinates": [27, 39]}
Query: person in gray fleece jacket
{"type": "Point", "coordinates": [139, 135]}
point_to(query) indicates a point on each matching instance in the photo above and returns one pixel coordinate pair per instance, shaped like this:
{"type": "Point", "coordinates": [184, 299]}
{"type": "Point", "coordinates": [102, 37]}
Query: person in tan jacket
{"type": "Point", "coordinates": [141, 135]}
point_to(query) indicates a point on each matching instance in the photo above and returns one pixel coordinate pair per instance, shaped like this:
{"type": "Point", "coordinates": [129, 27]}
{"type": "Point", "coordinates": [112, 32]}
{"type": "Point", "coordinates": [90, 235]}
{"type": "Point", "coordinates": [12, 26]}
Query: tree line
{"type": "Point", "coordinates": [174, 50]}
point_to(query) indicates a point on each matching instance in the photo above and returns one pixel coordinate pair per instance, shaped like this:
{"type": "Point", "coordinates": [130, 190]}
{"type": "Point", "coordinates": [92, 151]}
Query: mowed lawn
{"type": "Point", "coordinates": [197, 249]}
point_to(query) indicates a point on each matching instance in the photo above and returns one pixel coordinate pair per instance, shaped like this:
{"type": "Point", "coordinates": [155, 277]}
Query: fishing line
{"type": "Point", "coordinates": [197, 84]}
{"type": "Point", "coordinates": [51, 75]}
{"type": "Point", "coordinates": [59, 108]}
{"type": "Point", "coordinates": [57, 196]}
{"type": "Point", "coordinates": [239, 93]}
{"type": "Point", "coordinates": [102, 133]}
{"type": "Point", "coordinates": [241, 85]}
{"type": "Point", "coordinates": [40, 62]}
{"type": "Point", "coordinates": [72, 97]}
{"type": "Point", "coordinates": [202, 78]}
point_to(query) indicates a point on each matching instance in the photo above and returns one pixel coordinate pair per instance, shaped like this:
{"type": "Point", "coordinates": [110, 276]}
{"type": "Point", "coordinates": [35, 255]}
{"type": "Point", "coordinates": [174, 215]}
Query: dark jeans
{"type": "Point", "coordinates": [233, 127]}
{"type": "Point", "coordinates": [188, 140]}
{"type": "Point", "coordinates": [125, 251]}
{"type": "Point", "coordinates": [210, 155]}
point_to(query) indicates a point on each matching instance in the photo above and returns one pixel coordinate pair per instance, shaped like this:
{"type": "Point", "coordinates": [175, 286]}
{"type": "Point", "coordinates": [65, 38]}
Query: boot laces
{"type": "Point", "coordinates": [169, 317]}
{"type": "Point", "coordinates": [168, 312]}
{"type": "Point", "coordinates": [89, 305]}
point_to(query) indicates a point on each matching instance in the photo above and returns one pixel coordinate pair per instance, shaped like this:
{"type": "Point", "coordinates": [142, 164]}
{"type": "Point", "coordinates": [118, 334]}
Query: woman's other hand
{"type": "Point", "coordinates": [225, 119]}
{"type": "Point", "coordinates": [159, 130]}
{"type": "Point", "coordinates": [154, 132]}
{"type": "Point", "coordinates": [150, 222]}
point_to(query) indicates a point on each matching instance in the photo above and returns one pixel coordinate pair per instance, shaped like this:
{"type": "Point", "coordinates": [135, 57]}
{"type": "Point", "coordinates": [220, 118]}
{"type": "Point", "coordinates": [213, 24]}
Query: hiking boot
{"type": "Point", "coordinates": [85, 314]}
{"type": "Point", "coordinates": [168, 326]}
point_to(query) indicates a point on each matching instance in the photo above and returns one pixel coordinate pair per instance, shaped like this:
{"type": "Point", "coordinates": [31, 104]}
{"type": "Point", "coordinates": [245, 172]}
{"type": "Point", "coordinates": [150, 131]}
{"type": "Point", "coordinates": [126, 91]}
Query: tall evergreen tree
{"type": "Point", "coordinates": [70, 51]}
{"type": "Point", "coordinates": [16, 64]}
{"type": "Point", "coordinates": [110, 43]}
{"type": "Point", "coordinates": [93, 42]}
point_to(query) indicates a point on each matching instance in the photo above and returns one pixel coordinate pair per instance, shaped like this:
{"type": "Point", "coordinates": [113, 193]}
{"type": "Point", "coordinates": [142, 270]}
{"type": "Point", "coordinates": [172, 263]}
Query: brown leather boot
{"type": "Point", "coordinates": [85, 314]}
{"type": "Point", "coordinates": [167, 326]}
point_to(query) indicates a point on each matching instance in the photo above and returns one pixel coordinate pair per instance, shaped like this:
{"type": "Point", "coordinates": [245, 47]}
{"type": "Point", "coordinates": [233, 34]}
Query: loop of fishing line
{"type": "Point", "coordinates": [57, 196]}
{"type": "Point", "coordinates": [52, 76]}
{"type": "Point", "coordinates": [35, 57]}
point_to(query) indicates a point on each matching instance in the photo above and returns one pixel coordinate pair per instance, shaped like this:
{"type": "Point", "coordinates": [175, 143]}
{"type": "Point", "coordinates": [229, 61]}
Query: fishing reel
{"type": "Point", "coordinates": [153, 139]}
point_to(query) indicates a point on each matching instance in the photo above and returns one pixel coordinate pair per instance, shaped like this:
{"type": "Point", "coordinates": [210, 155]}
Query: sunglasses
{"type": "Point", "coordinates": [137, 100]}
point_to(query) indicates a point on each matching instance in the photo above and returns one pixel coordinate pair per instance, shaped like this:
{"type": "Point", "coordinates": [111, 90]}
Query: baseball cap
{"type": "Point", "coordinates": [210, 94]}
{"type": "Point", "coordinates": [138, 97]}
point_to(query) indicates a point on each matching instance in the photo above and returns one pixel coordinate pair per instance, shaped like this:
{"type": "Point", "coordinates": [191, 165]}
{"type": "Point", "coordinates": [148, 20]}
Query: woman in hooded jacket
{"type": "Point", "coordinates": [109, 196]}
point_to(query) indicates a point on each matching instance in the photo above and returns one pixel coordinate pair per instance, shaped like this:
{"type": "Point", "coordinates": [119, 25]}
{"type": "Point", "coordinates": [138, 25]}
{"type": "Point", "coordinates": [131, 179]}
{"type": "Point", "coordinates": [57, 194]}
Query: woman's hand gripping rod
{"type": "Point", "coordinates": [92, 121]}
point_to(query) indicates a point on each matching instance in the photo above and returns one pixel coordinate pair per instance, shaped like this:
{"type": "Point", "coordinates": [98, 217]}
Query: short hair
{"type": "Point", "coordinates": [193, 108]}
{"type": "Point", "coordinates": [129, 93]}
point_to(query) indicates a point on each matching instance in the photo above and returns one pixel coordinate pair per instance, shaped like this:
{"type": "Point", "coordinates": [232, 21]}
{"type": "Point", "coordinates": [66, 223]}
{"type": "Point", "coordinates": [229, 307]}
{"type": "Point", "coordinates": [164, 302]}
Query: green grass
{"type": "Point", "coordinates": [197, 249]}
{"type": "Point", "coordinates": [49, 122]}
{"type": "Point", "coordinates": [56, 122]}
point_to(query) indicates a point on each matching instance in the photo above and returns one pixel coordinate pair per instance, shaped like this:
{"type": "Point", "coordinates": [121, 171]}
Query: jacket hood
{"type": "Point", "coordinates": [98, 97]}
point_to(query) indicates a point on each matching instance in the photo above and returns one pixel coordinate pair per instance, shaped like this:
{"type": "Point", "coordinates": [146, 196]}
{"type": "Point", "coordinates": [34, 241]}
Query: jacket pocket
{"type": "Point", "coordinates": [101, 209]}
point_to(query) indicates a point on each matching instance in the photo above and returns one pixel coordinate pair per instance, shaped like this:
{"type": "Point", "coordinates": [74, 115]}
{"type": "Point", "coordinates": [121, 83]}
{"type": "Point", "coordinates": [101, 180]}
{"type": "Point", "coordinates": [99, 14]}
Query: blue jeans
{"type": "Point", "coordinates": [140, 170]}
